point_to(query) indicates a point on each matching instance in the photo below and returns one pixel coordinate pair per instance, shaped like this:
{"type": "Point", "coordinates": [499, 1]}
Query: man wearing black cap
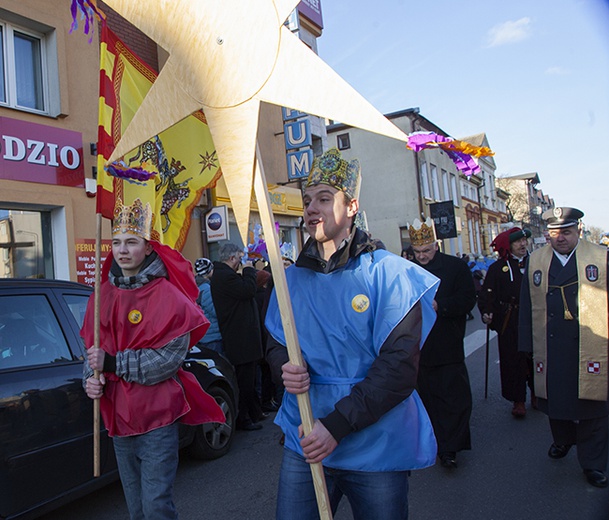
{"type": "Point", "coordinates": [498, 302]}
{"type": "Point", "coordinates": [563, 322]}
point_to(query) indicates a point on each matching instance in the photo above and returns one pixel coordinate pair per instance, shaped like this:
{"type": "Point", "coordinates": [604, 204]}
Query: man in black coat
{"type": "Point", "coordinates": [498, 302]}
{"type": "Point", "coordinates": [443, 381]}
{"type": "Point", "coordinates": [563, 323]}
{"type": "Point", "coordinates": [233, 295]}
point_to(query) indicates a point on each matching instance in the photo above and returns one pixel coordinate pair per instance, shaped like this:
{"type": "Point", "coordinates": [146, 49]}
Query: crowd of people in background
{"type": "Point", "coordinates": [493, 283]}
{"type": "Point", "coordinates": [387, 395]}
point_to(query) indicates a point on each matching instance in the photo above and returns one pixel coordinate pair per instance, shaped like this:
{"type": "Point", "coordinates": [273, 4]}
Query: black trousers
{"type": "Point", "coordinates": [591, 436]}
{"type": "Point", "coordinates": [446, 394]}
{"type": "Point", "coordinates": [249, 403]}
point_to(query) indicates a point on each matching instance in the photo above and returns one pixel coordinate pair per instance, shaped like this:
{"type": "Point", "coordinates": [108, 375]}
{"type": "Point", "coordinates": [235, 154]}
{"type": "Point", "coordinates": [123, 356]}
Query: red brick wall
{"type": "Point", "coordinates": [136, 40]}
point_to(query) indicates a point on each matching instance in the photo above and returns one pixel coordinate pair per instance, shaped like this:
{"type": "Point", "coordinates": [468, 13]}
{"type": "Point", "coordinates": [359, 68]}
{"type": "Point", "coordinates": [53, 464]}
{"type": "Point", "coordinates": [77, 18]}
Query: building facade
{"type": "Point", "coordinates": [48, 133]}
{"type": "Point", "coordinates": [48, 121]}
{"type": "Point", "coordinates": [526, 203]}
{"type": "Point", "coordinates": [399, 185]}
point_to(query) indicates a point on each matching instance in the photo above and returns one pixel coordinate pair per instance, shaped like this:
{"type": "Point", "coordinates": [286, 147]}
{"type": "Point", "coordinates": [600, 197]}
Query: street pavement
{"type": "Point", "coordinates": [506, 476]}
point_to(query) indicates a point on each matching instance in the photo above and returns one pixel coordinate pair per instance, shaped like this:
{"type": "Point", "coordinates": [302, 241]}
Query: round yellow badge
{"type": "Point", "coordinates": [360, 303]}
{"type": "Point", "coordinates": [135, 316]}
{"type": "Point", "coordinates": [505, 268]}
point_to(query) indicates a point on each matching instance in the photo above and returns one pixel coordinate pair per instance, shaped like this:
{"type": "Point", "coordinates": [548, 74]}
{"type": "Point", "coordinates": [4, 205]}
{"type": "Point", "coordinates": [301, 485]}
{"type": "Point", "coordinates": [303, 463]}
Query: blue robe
{"type": "Point", "coordinates": [342, 319]}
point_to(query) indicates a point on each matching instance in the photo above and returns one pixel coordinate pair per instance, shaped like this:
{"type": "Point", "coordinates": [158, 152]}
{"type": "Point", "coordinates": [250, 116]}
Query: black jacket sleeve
{"type": "Point", "coordinates": [461, 297]}
{"type": "Point", "coordinates": [276, 356]}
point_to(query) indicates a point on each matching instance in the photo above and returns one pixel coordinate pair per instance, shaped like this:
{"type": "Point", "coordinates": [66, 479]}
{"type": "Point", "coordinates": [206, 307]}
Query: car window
{"type": "Point", "coordinates": [29, 332]}
{"type": "Point", "coordinates": [78, 306]}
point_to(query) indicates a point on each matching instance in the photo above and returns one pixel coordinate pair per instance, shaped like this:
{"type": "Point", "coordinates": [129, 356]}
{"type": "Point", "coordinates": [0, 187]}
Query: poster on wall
{"type": "Point", "coordinates": [85, 259]}
{"type": "Point", "coordinates": [443, 215]}
{"type": "Point", "coordinates": [216, 224]}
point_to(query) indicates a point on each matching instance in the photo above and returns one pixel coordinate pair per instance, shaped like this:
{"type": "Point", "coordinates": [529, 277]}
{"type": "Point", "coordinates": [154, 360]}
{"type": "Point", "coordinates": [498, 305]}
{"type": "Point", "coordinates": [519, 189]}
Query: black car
{"type": "Point", "coordinates": [46, 419]}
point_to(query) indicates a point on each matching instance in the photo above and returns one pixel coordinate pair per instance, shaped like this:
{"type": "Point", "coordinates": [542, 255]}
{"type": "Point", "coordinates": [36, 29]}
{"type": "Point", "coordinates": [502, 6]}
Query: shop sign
{"type": "Point", "coordinates": [85, 259]}
{"type": "Point", "coordinates": [216, 224]}
{"type": "Point", "coordinates": [38, 153]}
{"type": "Point", "coordinates": [312, 10]}
{"type": "Point", "coordinates": [298, 141]}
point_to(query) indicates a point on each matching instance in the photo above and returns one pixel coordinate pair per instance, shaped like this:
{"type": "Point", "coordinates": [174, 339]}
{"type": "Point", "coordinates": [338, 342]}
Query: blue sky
{"type": "Point", "coordinates": [532, 74]}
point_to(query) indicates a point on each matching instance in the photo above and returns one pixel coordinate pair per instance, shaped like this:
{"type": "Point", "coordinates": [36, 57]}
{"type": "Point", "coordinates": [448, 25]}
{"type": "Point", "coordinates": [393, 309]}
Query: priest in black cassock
{"type": "Point", "coordinates": [443, 381]}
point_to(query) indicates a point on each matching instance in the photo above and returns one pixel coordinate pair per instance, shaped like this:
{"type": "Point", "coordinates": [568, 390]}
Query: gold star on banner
{"type": "Point", "coordinates": [208, 161]}
{"type": "Point", "coordinates": [226, 57]}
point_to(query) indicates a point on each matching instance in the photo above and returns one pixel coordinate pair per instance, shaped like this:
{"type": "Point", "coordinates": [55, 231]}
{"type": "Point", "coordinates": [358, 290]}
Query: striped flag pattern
{"type": "Point", "coordinates": [182, 158]}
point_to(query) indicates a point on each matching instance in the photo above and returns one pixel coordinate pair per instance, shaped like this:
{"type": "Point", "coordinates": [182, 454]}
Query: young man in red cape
{"type": "Point", "coordinates": [148, 320]}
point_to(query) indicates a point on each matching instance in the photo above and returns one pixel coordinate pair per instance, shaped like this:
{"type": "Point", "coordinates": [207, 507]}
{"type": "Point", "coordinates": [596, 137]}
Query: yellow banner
{"type": "Point", "coordinates": [183, 156]}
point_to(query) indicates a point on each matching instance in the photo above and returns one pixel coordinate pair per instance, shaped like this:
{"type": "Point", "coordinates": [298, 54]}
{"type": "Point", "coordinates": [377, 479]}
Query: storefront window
{"type": "Point", "coordinates": [25, 244]}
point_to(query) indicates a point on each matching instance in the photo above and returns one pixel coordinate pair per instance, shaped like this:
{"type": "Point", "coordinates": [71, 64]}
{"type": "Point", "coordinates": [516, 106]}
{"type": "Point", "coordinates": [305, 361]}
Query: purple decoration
{"type": "Point", "coordinates": [122, 172]}
{"type": "Point", "coordinates": [88, 11]}
{"type": "Point", "coordinates": [421, 140]}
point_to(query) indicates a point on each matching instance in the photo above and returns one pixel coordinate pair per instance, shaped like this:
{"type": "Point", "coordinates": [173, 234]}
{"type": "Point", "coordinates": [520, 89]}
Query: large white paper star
{"type": "Point", "coordinates": [226, 56]}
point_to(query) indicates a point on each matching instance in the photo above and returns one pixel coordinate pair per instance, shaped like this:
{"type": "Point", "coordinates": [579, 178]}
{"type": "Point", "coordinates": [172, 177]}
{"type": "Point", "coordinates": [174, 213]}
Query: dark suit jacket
{"type": "Point", "coordinates": [234, 299]}
{"type": "Point", "coordinates": [456, 296]}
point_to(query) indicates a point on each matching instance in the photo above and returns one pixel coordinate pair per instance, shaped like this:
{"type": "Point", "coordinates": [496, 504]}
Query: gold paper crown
{"type": "Point", "coordinates": [135, 219]}
{"type": "Point", "coordinates": [422, 233]}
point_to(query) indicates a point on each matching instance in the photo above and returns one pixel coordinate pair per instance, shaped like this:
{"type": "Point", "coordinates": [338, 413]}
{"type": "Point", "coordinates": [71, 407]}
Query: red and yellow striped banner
{"type": "Point", "coordinates": [183, 156]}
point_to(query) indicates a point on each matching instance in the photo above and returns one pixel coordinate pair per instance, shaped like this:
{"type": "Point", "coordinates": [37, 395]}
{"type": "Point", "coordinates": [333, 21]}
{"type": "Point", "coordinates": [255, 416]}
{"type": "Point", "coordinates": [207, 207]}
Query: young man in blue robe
{"type": "Point", "coordinates": [362, 315]}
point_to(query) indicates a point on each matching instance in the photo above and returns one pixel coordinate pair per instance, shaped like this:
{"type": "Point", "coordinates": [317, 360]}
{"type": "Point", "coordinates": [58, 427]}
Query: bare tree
{"type": "Point", "coordinates": [517, 203]}
{"type": "Point", "coordinates": [594, 234]}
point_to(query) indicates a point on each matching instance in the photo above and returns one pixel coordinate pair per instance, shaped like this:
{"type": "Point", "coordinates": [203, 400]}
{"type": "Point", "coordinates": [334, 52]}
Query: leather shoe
{"type": "Point", "coordinates": [263, 416]}
{"type": "Point", "coordinates": [270, 406]}
{"type": "Point", "coordinates": [448, 460]}
{"type": "Point", "coordinates": [250, 427]}
{"type": "Point", "coordinates": [596, 478]}
{"type": "Point", "coordinates": [558, 451]}
{"type": "Point", "coordinates": [519, 410]}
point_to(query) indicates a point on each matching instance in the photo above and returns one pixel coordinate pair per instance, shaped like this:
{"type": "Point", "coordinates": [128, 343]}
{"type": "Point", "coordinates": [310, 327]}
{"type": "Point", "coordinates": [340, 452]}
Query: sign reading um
{"type": "Point", "coordinates": [298, 142]}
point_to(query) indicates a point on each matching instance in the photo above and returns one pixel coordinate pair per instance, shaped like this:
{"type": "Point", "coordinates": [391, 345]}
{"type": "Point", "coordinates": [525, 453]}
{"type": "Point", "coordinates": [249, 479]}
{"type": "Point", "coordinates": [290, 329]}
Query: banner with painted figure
{"type": "Point", "coordinates": [181, 161]}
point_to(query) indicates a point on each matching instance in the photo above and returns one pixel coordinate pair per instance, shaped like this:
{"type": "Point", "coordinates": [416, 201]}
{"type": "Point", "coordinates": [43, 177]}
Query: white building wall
{"type": "Point", "coordinates": [389, 193]}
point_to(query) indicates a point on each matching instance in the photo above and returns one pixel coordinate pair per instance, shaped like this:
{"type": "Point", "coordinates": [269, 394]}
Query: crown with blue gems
{"type": "Point", "coordinates": [331, 169]}
{"type": "Point", "coordinates": [287, 250]}
{"type": "Point", "coordinates": [135, 219]}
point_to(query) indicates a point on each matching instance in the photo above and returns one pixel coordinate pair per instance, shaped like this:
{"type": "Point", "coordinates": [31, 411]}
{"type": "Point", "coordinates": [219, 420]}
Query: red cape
{"type": "Point", "coordinates": [150, 317]}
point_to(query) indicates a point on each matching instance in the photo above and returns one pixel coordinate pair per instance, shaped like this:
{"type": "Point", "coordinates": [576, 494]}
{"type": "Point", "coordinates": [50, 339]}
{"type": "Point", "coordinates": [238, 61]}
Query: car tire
{"type": "Point", "coordinates": [213, 440]}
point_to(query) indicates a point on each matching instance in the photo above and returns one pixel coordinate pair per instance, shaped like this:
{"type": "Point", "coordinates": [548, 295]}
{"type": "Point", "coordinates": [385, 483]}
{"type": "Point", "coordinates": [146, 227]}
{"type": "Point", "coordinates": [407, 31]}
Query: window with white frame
{"type": "Point", "coordinates": [434, 182]}
{"type": "Point", "coordinates": [445, 185]}
{"type": "Point", "coordinates": [23, 68]}
{"type": "Point", "coordinates": [473, 193]}
{"type": "Point", "coordinates": [425, 181]}
{"type": "Point", "coordinates": [453, 185]}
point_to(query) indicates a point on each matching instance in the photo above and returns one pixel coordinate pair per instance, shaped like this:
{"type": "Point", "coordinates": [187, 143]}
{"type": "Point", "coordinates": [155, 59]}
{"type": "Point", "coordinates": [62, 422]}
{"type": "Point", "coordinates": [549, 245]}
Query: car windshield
{"type": "Point", "coordinates": [29, 332]}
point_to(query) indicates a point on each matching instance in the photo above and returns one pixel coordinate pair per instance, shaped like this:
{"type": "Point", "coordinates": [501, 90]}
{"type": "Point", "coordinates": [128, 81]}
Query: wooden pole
{"type": "Point", "coordinates": [96, 419]}
{"type": "Point", "coordinates": [289, 327]}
